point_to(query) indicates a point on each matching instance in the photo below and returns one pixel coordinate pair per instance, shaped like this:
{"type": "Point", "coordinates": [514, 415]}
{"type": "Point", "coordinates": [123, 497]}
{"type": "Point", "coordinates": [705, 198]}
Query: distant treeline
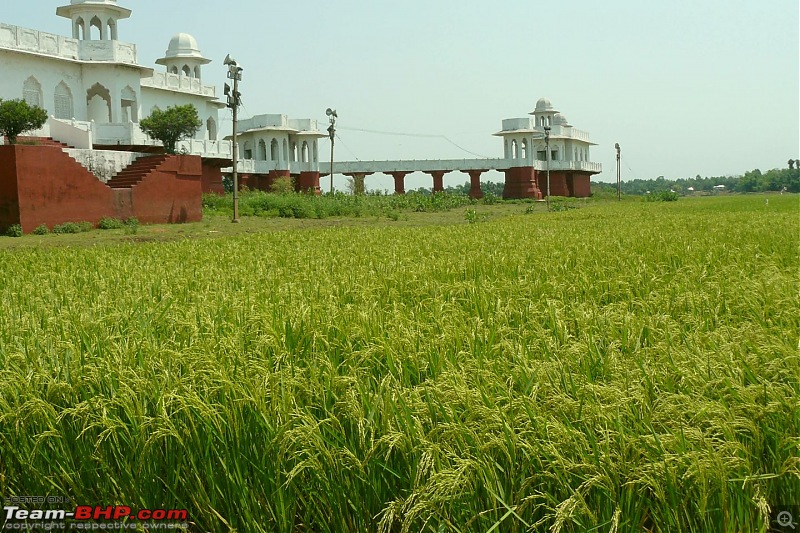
{"type": "Point", "coordinates": [753, 181]}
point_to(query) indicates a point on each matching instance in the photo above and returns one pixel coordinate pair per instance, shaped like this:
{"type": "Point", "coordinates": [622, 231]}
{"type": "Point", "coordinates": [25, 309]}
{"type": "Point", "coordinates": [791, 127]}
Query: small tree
{"type": "Point", "coordinates": [173, 125]}
{"type": "Point", "coordinates": [17, 117]}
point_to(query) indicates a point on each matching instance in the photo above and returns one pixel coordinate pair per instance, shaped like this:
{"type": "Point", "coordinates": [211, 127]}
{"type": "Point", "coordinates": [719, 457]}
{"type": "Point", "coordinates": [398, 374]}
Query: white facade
{"type": "Point", "coordinates": [276, 142]}
{"type": "Point", "coordinates": [524, 140]}
{"type": "Point", "coordinates": [93, 82]}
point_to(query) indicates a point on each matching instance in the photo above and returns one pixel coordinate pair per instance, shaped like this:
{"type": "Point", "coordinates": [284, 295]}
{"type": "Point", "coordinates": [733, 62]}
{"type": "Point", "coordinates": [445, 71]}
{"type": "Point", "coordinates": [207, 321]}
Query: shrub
{"type": "Point", "coordinates": [132, 226]}
{"type": "Point", "coordinates": [41, 230]}
{"type": "Point", "coordinates": [14, 231]}
{"type": "Point", "coordinates": [85, 226]}
{"type": "Point", "coordinates": [110, 223]}
{"type": "Point", "coordinates": [282, 185]}
{"type": "Point", "coordinates": [662, 196]}
{"type": "Point", "coordinates": [490, 198]}
{"type": "Point", "coordinates": [66, 227]}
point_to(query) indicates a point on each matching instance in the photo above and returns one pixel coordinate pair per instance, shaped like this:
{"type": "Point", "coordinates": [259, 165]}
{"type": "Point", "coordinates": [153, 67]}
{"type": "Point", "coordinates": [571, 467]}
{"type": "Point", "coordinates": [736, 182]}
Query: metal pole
{"type": "Point", "coordinates": [619, 185]}
{"type": "Point", "coordinates": [332, 164]}
{"type": "Point", "coordinates": [235, 148]}
{"type": "Point", "coordinates": [547, 158]}
{"type": "Point", "coordinates": [332, 134]}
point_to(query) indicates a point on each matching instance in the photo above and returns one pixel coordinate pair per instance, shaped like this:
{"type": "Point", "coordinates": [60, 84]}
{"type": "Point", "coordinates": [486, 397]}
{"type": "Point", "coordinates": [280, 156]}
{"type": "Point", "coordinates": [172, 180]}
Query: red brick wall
{"type": "Point", "coordinates": [212, 178]}
{"type": "Point", "coordinates": [520, 183]}
{"type": "Point", "coordinates": [558, 183]}
{"type": "Point", "coordinates": [171, 193]}
{"type": "Point", "coordinates": [582, 185]}
{"type": "Point", "coordinates": [53, 188]}
{"type": "Point", "coordinates": [308, 182]}
{"type": "Point", "coordinates": [9, 199]}
{"type": "Point", "coordinates": [43, 185]}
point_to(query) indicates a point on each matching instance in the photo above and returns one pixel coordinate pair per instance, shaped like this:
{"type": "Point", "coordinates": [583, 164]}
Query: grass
{"type": "Point", "coordinates": [620, 367]}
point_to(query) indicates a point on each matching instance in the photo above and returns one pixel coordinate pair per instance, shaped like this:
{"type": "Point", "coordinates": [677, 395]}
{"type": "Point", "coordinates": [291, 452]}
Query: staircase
{"type": "Point", "coordinates": [38, 141]}
{"type": "Point", "coordinates": [136, 172]}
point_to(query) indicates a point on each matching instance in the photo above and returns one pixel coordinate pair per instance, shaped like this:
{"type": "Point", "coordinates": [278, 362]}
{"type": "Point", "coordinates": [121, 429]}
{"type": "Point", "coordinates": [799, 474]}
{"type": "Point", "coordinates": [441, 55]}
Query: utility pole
{"type": "Point", "coordinates": [619, 185]}
{"type": "Point", "coordinates": [332, 116]}
{"type": "Point", "coordinates": [234, 101]}
{"type": "Point", "coordinates": [547, 158]}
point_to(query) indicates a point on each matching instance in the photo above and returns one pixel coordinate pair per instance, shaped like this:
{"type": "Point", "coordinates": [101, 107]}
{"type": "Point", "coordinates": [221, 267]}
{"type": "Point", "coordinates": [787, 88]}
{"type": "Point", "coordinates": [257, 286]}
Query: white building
{"type": "Point", "coordinates": [524, 140]}
{"type": "Point", "coordinates": [94, 88]}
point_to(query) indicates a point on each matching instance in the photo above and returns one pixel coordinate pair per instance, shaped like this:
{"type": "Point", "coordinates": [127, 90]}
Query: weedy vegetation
{"type": "Point", "coordinates": [625, 367]}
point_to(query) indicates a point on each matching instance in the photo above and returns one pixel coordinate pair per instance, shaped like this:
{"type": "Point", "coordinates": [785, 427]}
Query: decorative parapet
{"type": "Point", "coordinates": [48, 44]}
{"type": "Point", "coordinates": [583, 166]}
{"type": "Point", "coordinates": [179, 82]}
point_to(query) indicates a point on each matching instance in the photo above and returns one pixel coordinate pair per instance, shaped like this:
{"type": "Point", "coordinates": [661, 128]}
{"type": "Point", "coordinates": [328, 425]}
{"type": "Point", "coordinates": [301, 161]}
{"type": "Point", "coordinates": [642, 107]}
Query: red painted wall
{"type": "Point", "coordinates": [212, 178]}
{"type": "Point", "coordinates": [558, 183]}
{"type": "Point", "coordinates": [171, 193]}
{"type": "Point", "coordinates": [582, 185]}
{"type": "Point", "coordinates": [43, 185]}
{"type": "Point", "coordinates": [308, 182]}
{"type": "Point", "coordinates": [9, 198]}
{"type": "Point", "coordinates": [521, 183]}
{"type": "Point", "coordinates": [53, 188]}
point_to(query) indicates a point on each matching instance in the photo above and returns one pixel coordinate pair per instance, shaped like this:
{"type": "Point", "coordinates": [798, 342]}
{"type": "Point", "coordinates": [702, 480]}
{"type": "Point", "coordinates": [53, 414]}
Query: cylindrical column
{"type": "Point", "coordinates": [399, 181]}
{"type": "Point", "coordinates": [438, 179]}
{"type": "Point", "coordinates": [475, 191]}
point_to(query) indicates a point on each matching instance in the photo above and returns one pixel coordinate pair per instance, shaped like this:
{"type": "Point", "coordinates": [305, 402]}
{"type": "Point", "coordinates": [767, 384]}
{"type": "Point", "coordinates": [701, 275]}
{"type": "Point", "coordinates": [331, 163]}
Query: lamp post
{"type": "Point", "coordinates": [234, 101]}
{"type": "Point", "coordinates": [547, 159]}
{"type": "Point", "coordinates": [619, 190]}
{"type": "Point", "coordinates": [332, 116]}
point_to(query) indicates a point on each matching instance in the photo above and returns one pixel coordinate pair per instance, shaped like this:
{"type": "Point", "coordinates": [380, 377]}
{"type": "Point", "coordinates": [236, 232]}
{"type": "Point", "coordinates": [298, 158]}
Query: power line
{"type": "Point", "coordinates": [347, 147]}
{"type": "Point", "coordinates": [418, 135]}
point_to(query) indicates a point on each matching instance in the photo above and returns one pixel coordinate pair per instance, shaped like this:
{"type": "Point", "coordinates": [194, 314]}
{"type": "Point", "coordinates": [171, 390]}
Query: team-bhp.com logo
{"type": "Point", "coordinates": [95, 518]}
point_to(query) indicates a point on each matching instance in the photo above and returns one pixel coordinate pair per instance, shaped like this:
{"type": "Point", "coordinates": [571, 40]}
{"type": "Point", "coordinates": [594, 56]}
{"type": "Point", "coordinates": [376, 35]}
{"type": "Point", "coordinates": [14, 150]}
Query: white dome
{"type": "Point", "coordinates": [544, 105]}
{"type": "Point", "coordinates": [560, 120]}
{"type": "Point", "coordinates": [183, 45]}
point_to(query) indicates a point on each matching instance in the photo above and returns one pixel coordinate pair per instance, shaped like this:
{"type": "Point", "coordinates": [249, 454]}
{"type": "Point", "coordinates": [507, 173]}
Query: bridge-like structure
{"type": "Point", "coordinates": [437, 168]}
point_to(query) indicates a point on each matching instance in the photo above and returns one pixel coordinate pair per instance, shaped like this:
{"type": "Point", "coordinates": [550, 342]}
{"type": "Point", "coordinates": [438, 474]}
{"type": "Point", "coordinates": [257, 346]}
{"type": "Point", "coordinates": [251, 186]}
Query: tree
{"type": "Point", "coordinates": [17, 117]}
{"type": "Point", "coordinates": [173, 125]}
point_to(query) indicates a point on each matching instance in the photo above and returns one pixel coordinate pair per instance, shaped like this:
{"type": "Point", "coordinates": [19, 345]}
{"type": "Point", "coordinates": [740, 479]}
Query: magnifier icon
{"type": "Point", "coordinates": [785, 519]}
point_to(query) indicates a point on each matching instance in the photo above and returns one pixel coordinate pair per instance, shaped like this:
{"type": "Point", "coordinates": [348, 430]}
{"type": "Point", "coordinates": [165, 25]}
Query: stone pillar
{"type": "Point", "coordinates": [399, 181]}
{"type": "Point", "coordinates": [475, 191]}
{"type": "Point", "coordinates": [438, 179]}
{"type": "Point", "coordinates": [358, 178]}
{"type": "Point", "coordinates": [308, 182]}
{"type": "Point", "coordinates": [521, 183]}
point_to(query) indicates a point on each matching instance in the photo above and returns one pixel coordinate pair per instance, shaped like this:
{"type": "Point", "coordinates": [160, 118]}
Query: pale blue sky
{"type": "Point", "coordinates": [686, 87]}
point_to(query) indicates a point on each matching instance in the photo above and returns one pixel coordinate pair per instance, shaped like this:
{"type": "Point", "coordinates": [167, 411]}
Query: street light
{"type": "Point", "coordinates": [619, 190]}
{"type": "Point", "coordinates": [332, 116]}
{"type": "Point", "coordinates": [547, 158]}
{"type": "Point", "coordinates": [234, 101]}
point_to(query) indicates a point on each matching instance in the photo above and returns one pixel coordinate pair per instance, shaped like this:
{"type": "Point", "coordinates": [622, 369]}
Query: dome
{"type": "Point", "coordinates": [183, 46]}
{"type": "Point", "coordinates": [560, 120]}
{"type": "Point", "coordinates": [543, 104]}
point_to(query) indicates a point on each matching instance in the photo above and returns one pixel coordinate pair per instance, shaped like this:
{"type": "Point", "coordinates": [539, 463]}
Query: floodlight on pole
{"type": "Point", "coordinates": [547, 158]}
{"type": "Point", "coordinates": [619, 185]}
{"type": "Point", "coordinates": [332, 116]}
{"type": "Point", "coordinates": [234, 101]}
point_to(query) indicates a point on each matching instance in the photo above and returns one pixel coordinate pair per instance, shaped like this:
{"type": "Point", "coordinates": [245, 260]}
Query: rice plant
{"type": "Point", "coordinates": [622, 368]}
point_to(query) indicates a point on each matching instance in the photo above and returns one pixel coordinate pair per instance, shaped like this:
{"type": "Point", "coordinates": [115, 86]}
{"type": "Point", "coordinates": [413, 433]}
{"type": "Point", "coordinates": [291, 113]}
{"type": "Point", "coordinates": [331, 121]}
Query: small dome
{"type": "Point", "coordinates": [183, 45]}
{"type": "Point", "coordinates": [560, 120]}
{"type": "Point", "coordinates": [102, 2]}
{"type": "Point", "coordinates": [543, 104]}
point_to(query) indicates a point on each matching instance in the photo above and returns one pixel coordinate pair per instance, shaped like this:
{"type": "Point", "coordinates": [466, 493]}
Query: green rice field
{"type": "Point", "coordinates": [621, 367]}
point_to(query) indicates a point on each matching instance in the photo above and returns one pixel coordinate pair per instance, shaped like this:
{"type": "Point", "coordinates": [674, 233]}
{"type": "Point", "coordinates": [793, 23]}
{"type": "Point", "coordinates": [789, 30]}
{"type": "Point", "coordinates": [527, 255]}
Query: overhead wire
{"type": "Point", "coordinates": [418, 135]}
